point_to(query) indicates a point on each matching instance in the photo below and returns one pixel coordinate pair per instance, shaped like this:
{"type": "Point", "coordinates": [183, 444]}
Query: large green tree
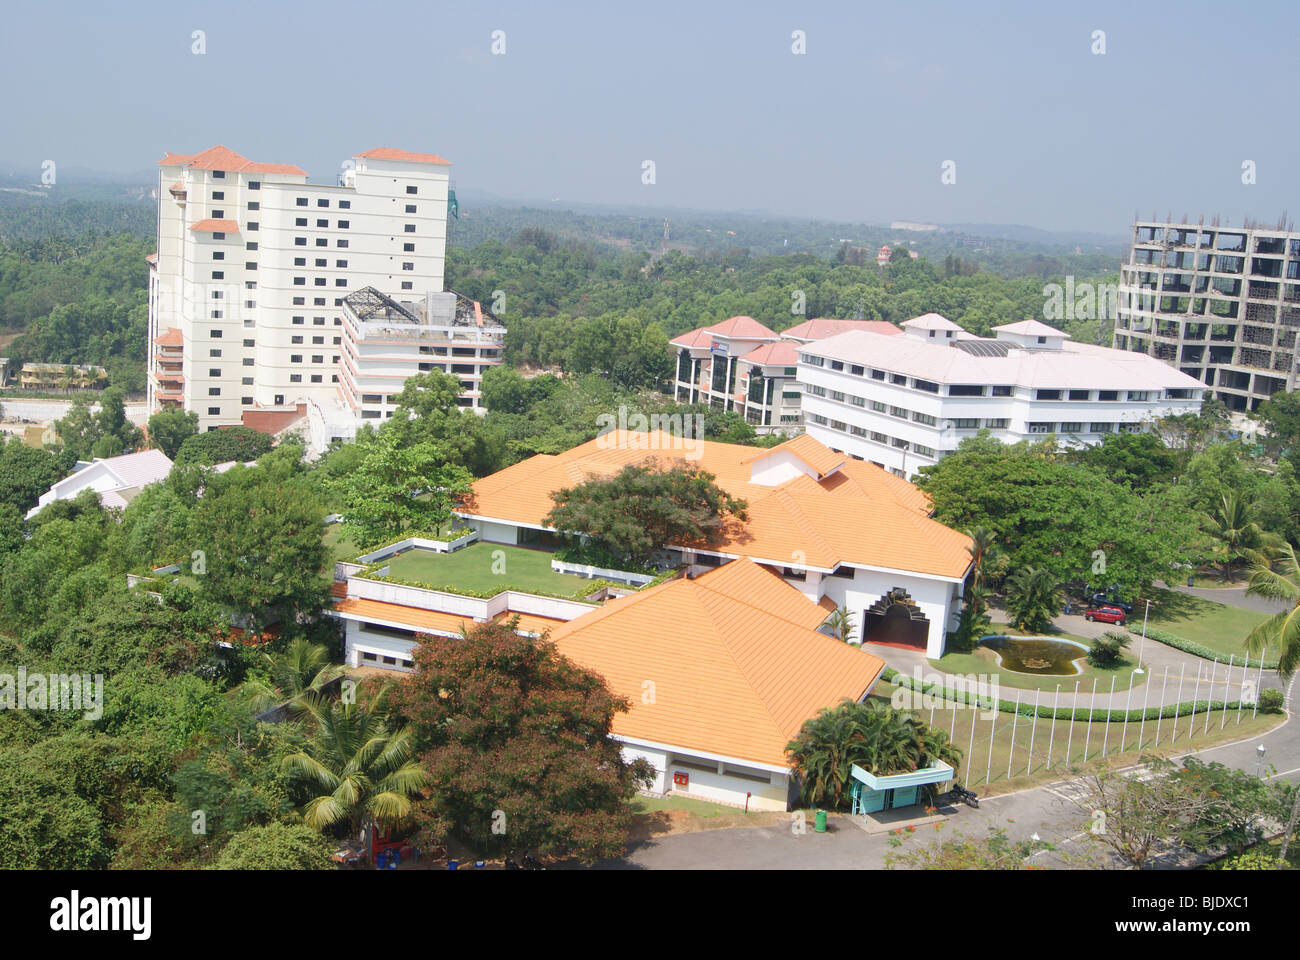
{"type": "Point", "coordinates": [644, 508]}
{"type": "Point", "coordinates": [168, 429]}
{"type": "Point", "coordinates": [516, 741]}
{"type": "Point", "coordinates": [399, 488]}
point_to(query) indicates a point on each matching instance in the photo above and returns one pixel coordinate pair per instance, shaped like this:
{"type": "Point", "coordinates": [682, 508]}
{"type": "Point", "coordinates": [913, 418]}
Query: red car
{"type": "Point", "coordinates": [1105, 615]}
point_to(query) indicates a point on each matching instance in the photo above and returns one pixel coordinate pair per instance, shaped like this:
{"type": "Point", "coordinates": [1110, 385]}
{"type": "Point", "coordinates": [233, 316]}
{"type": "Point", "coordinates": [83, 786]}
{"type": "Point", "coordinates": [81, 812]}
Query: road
{"type": "Point", "coordinates": [1046, 810]}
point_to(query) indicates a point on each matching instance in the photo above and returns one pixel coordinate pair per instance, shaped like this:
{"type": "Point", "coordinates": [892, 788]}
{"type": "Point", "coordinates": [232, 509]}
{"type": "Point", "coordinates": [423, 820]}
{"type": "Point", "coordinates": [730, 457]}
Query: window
{"type": "Point", "coordinates": [218, 236]}
{"type": "Point", "coordinates": [812, 361]}
{"type": "Point", "coordinates": [813, 390]}
{"type": "Point", "coordinates": [408, 266]}
{"type": "Point", "coordinates": [408, 248]}
{"type": "Point", "coordinates": [218, 255]}
{"type": "Point", "coordinates": [218, 275]}
{"type": "Point", "coordinates": [219, 214]}
{"type": "Point", "coordinates": [295, 378]}
{"type": "Point", "coordinates": [251, 245]}
{"type": "Point", "coordinates": [300, 281]}
{"type": "Point", "coordinates": [250, 265]}
{"type": "Point", "coordinates": [410, 189]}
{"type": "Point", "coordinates": [214, 372]}
{"type": "Point", "coordinates": [218, 174]}
{"type": "Point", "coordinates": [315, 378]}
{"type": "Point", "coordinates": [853, 369]}
{"type": "Point", "coordinates": [252, 225]}
{"type": "Point", "coordinates": [926, 385]}
{"type": "Point", "coordinates": [217, 295]}
{"type": "Point", "coordinates": [296, 358]}
{"type": "Point", "coordinates": [1107, 395]}
{"type": "Point", "coordinates": [879, 407]}
{"type": "Point", "coordinates": [218, 195]}
{"type": "Point", "coordinates": [254, 205]}
{"type": "Point", "coordinates": [1071, 427]}
{"type": "Point", "coordinates": [341, 264]}
{"type": "Point", "coordinates": [344, 224]}
{"type": "Point", "coordinates": [1040, 428]}
{"type": "Point", "coordinates": [1047, 394]}
{"type": "Point", "coordinates": [407, 285]}
{"type": "Point", "coordinates": [966, 423]}
{"type": "Point", "coordinates": [250, 343]}
{"type": "Point", "coordinates": [966, 390]}
{"type": "Point", "coordinates": [323, 223]}
{"type": "Point", "coordinates": [319, 281]}
{"type": "Point", "coordinates": [322, 242]}
{"type": "Point", "coordinates": [214, 411]}
{"type": "Point", "coordinates": [837, 395]}
{"type": "Point", "coordinates": [295, 339]}
{"type": "Point", "coordinates": [246, 381]}
{"type": "Point", "coordinates": [214, 334]}
{"type": "Point", "coordinates": [318, 340]}
{"type": "Point", "coordinates": [1139, 396]}
{"type": "Point", "coordinates": [322, 203]}
{"type": "Point", "coordinates": [1000, 423]}
{"type": "Point", "coordinates": [1079, 394]}
{"type": "Point", "coordinates": [317, 358]}
{"type": "Point", "coordinates": [216, 314]}
{"type": "Point", "coordinates": [923, 451]}
{"type": "Point", "coordinates": [410, 208]}
{"type": "Point", "coordinates": [341, 282]}
{"type": "Point", "coordinates": [300, 241]}
{"type": "Point", "coordinates": [322, 262]}
{"type": "Point", "coordinates": [248, 361]}
{"type": "Point", "coordinates": [898, 378]}
{"type": "Point", "coordinates": [318, 321]}
{"type": "Point", "coordinates": [878, 375]}
{"type": "Point", "coordinates": [300, 261]}
{"type": "Point", "coordinates": [1001, 391]}
{"type": "Point", "coordinates": [254, 185]}
{"type": "Point", "coordinates": [898, 412]}
{"type": "Point", "coordinates": [340, 243]}
{"type": "Point", "coordinates": [837, 365]}
{"type": "Point", "coordinates": [298, 319]}
{"type": "Point", "coordinates": [345, 204]}
{"type": "Point", "coordinates": [301, 201]}
{"type": "Point", "coordinates": [879, 437]}
{"type": "Point", "coordinates": [925, 418]}
{"type": "Point", "coordinates": [409, 228]}
{"type": "Point", "coordinates": [214, 352]}
{"type": "Point", "coordinates": [300, 222]}
{"type": "Point", "coordinates": [214, 391]}
{"type": "Point", "coordinates": [299, 302]}
{"type": "Point", "coordinates": [246, 401]}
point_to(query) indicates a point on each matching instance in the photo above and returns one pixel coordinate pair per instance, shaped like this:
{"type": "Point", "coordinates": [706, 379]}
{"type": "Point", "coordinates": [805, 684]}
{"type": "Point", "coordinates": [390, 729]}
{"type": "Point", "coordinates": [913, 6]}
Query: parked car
{"type": "Point", "coordinates": [1110, 599]}
{"type": "Point", "coordinates": [1105, 615]}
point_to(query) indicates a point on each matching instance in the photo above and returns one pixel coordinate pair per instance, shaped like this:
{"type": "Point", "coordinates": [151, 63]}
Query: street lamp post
{"type": "Point", "coordinates": [1143, 645]}
{"type": "Point", "coordinates": [1259, 760]}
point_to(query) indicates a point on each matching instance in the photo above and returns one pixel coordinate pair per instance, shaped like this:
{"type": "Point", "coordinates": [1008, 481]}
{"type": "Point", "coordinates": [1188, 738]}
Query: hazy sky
{"type": "Point", "coordinates": [1042, 131]}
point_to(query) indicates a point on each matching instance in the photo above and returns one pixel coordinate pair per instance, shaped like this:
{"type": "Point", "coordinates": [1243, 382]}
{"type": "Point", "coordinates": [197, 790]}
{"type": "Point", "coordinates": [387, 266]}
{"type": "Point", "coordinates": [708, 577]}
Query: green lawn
{"type": "Point", "coordinates": [488, 568]}
{"type": "Point", "coordinates": [1215, 625]}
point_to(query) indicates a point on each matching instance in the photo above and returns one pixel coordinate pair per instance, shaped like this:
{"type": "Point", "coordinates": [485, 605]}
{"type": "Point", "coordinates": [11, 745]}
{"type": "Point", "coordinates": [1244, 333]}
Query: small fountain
{"type": "Point", "coordinates": [1037, 656]}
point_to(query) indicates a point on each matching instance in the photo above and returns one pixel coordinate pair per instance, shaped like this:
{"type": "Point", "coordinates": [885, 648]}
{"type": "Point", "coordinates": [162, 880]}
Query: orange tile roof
{"type": "Point", "coordinates": [151, 258]}
{"type": "Point", "coordinates": [170, 338]}
{"type": "Point", "coordinates": [412, 617]}
{"type": "Point", "coordinates": [223, 158]}
{"type": "Point", "coordinates": [861, 514]}
{"type": "Point", "coordinates": [339, 590]}
{"type": "Point", "coordinates": [812, 452]}
{"type": "Point", "coordinates": [217, 226]}
{"type": "Point", "coordinates": [389, 153]}
{"type": "Point", "coordinates": [730, 678]}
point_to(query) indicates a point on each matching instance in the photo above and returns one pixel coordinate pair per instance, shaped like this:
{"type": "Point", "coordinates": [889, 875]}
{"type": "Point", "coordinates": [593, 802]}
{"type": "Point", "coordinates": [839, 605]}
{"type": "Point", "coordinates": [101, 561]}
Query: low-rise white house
{"type": "Point", "coordinates": [903, 402]}
{"type": "Point", "coordinates": [116, 479]}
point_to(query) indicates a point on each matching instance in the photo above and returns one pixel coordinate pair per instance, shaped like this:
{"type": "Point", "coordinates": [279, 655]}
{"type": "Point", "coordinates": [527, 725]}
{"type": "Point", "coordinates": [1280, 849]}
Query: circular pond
{"type": "Point", "coordinates": [1037, 656]}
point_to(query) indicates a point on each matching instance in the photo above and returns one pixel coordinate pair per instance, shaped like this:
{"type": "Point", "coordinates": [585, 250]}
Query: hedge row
{"type": "Point", "coordinates": [1195, 649]}
{"type": "Point", "coordinates": [1168, 710]}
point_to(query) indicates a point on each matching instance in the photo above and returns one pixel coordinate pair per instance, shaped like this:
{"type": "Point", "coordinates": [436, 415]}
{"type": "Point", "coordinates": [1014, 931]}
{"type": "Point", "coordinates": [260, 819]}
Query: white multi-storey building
{"type": "Point", "coordinates": [247, 288]}
{"type": "Point", "coordinates": [903, 402]}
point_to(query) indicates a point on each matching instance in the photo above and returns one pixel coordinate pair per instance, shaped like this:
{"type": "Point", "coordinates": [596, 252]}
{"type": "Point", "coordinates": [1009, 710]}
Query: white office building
{"type": "Point", "coordinates": [247, 289]}
{"type": "Point", "coordinates": [903, 402]}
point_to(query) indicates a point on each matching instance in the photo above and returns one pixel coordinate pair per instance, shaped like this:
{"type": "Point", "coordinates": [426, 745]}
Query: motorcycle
{"type": "Point", "coordinates": [959, 792]}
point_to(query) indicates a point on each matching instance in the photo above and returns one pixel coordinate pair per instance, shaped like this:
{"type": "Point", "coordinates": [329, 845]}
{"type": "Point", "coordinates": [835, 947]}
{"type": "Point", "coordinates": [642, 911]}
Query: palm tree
{"type": "Point", "coordinates": [1235, 537]}
{"type": "Point", "coordinates": [1108, 648]}
{"type": "Point", "coordinates": [357, 768]}
{"type": "Point", "coordinates": [1032, 599]}
{"type": "Point", "coordinates": [842, 624]}
{"type": "Point", "coordinates": [296, 675]}
{"type": "Point", "coordinates": [982, 542]}
{"type": "Point", "coordinates": [1279, 580]}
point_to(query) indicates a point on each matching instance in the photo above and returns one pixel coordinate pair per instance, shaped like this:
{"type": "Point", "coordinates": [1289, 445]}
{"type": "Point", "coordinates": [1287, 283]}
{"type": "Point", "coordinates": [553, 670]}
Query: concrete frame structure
{"type": "Point", "coordinates": [1222, 304]}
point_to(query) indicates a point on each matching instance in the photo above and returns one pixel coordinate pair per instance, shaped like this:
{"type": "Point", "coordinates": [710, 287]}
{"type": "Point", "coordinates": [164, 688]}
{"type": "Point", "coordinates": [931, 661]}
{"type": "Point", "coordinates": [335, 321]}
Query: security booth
{"type": "Point", "coordinates": [872, 794]}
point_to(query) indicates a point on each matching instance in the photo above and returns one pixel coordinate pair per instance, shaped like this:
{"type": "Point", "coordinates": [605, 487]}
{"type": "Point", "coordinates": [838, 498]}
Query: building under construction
{"type": "Point", "coordinates": [1221, 304]}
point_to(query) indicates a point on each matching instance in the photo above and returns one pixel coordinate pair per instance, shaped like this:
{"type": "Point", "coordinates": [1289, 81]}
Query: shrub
{"type": "Point", "coordinates": [1256, 859]}
{"type": "Point", "coordinates": [1108, 649]}
{"type": "Point", "coordinates": [1271, 701]}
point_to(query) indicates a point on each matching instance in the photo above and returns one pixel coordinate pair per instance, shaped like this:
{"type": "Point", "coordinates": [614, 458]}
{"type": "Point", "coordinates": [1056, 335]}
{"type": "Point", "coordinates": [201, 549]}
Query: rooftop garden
{"type": "Point", "coordinates": [484, 570]}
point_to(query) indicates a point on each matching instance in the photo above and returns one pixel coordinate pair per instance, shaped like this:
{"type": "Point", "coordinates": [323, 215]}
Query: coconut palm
{"type": "Point", "coordinates": [297, 674]}
{"type": "Point", "coordinates": [1235, 538]}
{"type": "Point", "coordinates": [982, 543]}
{"type": "Point", "coordinates": [1107, 649]}
{"type": "Point", "coordinates": [1279, 580]}
{"type": "Point", "coordinates": [1032, 599]}
{"type": "Point", "coordinates": [357, 768]}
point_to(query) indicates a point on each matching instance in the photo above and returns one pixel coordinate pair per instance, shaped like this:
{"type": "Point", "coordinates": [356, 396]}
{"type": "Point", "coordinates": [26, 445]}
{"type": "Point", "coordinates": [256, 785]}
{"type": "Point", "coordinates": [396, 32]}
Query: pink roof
{"type": "Point", "coordinates": [151, 258]}
{"type": "Point", "coordinates": [1031, 328]}
{"type": "Point", "coordinates": [223, 158]}
{"type": "Point", "coordinates": [217, 226]}
{"type": "Point", "coordinates": [389, 153]}
{"type": "Point", "coordinates": [738, 328]}
{"type": "Point", "coordinates": [783, 353]}
{"type": "Point", "coordinates": [823, 327]}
